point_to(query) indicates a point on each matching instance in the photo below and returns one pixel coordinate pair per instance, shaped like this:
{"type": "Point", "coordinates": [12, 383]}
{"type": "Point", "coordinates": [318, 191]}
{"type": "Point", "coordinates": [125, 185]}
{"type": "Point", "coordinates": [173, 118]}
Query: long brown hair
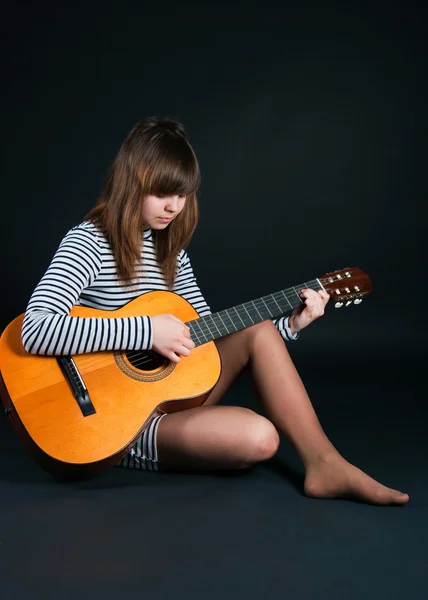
{"type": "Point", "coordinates": [155, 158]}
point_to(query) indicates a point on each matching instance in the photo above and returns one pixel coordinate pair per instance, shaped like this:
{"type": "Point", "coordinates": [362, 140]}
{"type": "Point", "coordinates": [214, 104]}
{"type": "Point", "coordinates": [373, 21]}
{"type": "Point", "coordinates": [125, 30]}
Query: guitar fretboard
{"type": "Point", "coordinates": [217, 325]}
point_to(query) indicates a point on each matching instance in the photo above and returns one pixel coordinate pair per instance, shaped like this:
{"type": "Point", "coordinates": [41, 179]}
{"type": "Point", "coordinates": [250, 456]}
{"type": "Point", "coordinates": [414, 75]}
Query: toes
{"type": "Point", "coordinates": [390, 497]}
{"type": "Point", "coordinates": [400, 498]}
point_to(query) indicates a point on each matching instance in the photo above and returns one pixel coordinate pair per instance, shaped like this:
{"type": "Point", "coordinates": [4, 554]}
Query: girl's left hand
{"type": "Point", "coordinates": [313, 307]}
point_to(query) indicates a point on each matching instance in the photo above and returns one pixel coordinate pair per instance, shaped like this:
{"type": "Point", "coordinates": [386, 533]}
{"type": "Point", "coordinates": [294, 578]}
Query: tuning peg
{"type": "Point", "coordinates": [338, 305]}
{"type": "Point", "coordinates": [358, 300]}
{"type": "Point", "coordinates": [348, 303]}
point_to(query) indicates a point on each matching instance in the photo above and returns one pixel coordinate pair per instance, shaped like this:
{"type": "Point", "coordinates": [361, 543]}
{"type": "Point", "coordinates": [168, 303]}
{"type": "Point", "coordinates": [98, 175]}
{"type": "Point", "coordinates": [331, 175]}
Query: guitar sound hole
{"type": "Point", "coordinates": [145, 360]}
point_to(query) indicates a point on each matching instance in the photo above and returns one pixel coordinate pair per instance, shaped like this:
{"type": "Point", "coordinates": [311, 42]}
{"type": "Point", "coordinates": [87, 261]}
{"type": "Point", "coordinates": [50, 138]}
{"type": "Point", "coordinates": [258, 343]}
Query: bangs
{"type": "Point", "coordinates": [173, 170]}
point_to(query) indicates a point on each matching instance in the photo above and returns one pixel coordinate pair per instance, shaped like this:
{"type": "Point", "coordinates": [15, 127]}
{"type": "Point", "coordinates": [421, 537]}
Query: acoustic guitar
{"type": "Point", "coordinates": [79, 415]}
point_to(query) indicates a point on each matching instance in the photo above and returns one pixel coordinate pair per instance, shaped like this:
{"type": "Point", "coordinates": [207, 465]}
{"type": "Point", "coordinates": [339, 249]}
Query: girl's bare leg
{"type": "Point", "coordinates": [214, 438]}
{"type": "Point", "coordinates": [232, 437]}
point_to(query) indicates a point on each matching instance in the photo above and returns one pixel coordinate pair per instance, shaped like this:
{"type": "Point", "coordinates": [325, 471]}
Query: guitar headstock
{"type": "Point", "coordinates": [347, 286]}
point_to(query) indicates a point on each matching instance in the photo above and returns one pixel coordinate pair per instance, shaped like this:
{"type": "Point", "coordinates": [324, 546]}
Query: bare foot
{"type": "Point", "coordinates": [334, 477]}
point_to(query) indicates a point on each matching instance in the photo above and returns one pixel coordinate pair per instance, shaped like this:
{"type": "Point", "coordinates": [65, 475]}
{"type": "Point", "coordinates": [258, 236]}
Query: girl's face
{"type": "Point", "coordinates": [158, 211]}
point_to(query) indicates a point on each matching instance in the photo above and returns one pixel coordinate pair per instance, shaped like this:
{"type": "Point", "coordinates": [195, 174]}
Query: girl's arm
{"type": "Point", "coordinates": [186, 286]}
{"type": "Point", "coordinates": [47, 329]}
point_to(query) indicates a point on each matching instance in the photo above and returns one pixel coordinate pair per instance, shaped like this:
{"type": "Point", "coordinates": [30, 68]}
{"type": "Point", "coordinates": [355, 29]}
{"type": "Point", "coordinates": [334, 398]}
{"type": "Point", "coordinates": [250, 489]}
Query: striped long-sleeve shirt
{"type": "Point", "coordinates": [83, 272]}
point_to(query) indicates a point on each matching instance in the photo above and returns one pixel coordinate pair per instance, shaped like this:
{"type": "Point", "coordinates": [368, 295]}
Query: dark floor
{"type": "Point", "coordinates": [247, 535]}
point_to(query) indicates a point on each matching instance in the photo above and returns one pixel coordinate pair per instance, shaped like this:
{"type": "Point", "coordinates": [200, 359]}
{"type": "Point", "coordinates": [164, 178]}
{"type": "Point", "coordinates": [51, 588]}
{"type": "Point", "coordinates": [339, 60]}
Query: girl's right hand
{"type": "Point", "coordinates": [171, 337]}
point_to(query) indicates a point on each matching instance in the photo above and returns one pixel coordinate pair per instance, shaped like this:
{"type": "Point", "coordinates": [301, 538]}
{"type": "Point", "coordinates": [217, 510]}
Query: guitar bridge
{"type": "Point", "coordinates": [78, 387]}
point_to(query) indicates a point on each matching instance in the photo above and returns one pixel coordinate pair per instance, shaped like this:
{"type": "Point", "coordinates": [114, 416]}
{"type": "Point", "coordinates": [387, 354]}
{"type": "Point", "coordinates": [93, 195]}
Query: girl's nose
{"type": "Point", "coordinates": [172, 203]}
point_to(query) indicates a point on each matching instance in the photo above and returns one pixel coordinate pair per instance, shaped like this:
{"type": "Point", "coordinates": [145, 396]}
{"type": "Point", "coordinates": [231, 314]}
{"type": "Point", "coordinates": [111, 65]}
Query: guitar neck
{"type": "Point", "coordinates": [217, 325]}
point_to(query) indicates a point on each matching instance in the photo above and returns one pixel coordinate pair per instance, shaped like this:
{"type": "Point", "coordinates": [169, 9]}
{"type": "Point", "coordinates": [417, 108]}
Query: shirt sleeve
{"type": "Point", "coordinates": [48, 329]}
{"type": "Point", "coordinates": [186, 286]}
{"type": "Point", "coordinates": [283, 326]}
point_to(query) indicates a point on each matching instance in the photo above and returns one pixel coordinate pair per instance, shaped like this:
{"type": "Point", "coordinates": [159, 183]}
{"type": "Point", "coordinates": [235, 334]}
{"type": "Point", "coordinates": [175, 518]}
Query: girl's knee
{"type": "Point", "coordinates": [262, 441]}
{"type": "Point", "coordinates": [261, 331]}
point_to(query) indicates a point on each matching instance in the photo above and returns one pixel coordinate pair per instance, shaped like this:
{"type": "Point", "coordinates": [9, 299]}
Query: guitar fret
{"type": "Point", "coordinates": [192, 332]}
{"type": "Point", "coordinates": [220, 325]}
{"type": "Point", "coordinates": [248, 314]}
{"type": "Point", "coordinates": [254, 311]}
{"type": "Point", "coordinates": [270, 312]}
{"type": "Point", "coordinates": [192, 325]}
{"type": "Point", "coordinates": [288, 299]}
{"type": "Point", "coordinates": [235, 309]}
{"type": "Point", "coordinates": [219, 316]}
{"type": "Point", "coordinates": [206, 332]}
{"type": "Point", "coordinates": [254, 304]}
{"type": "Point", "coordinates": [212, 319]}
{"type": "Point", "coordinates": [245, 315]}
{"type": "Point", "coordinates": [276, 302]}
{"type": "Point", "coordinates": [230, 319]}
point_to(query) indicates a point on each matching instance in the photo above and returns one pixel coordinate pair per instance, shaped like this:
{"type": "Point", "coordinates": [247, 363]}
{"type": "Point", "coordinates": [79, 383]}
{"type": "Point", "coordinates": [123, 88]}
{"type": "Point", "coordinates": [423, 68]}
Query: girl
{"type": "Point", "coordinates": [133, 241]}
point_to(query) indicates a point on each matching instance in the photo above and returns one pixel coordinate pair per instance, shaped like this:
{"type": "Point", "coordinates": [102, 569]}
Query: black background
{"type": "Point", "coordinates": [309, 121]}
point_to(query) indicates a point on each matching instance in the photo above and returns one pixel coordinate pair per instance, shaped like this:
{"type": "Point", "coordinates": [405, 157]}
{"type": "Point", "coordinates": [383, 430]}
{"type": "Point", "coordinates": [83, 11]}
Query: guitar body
{"type": "Point", "coordinates": [126, 393]}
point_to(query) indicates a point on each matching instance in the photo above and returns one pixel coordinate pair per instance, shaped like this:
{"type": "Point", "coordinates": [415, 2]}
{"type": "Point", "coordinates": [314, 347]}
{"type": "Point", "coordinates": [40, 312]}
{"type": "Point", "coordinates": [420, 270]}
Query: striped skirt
{"type": "Point", "coordinates": [144, 453]}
